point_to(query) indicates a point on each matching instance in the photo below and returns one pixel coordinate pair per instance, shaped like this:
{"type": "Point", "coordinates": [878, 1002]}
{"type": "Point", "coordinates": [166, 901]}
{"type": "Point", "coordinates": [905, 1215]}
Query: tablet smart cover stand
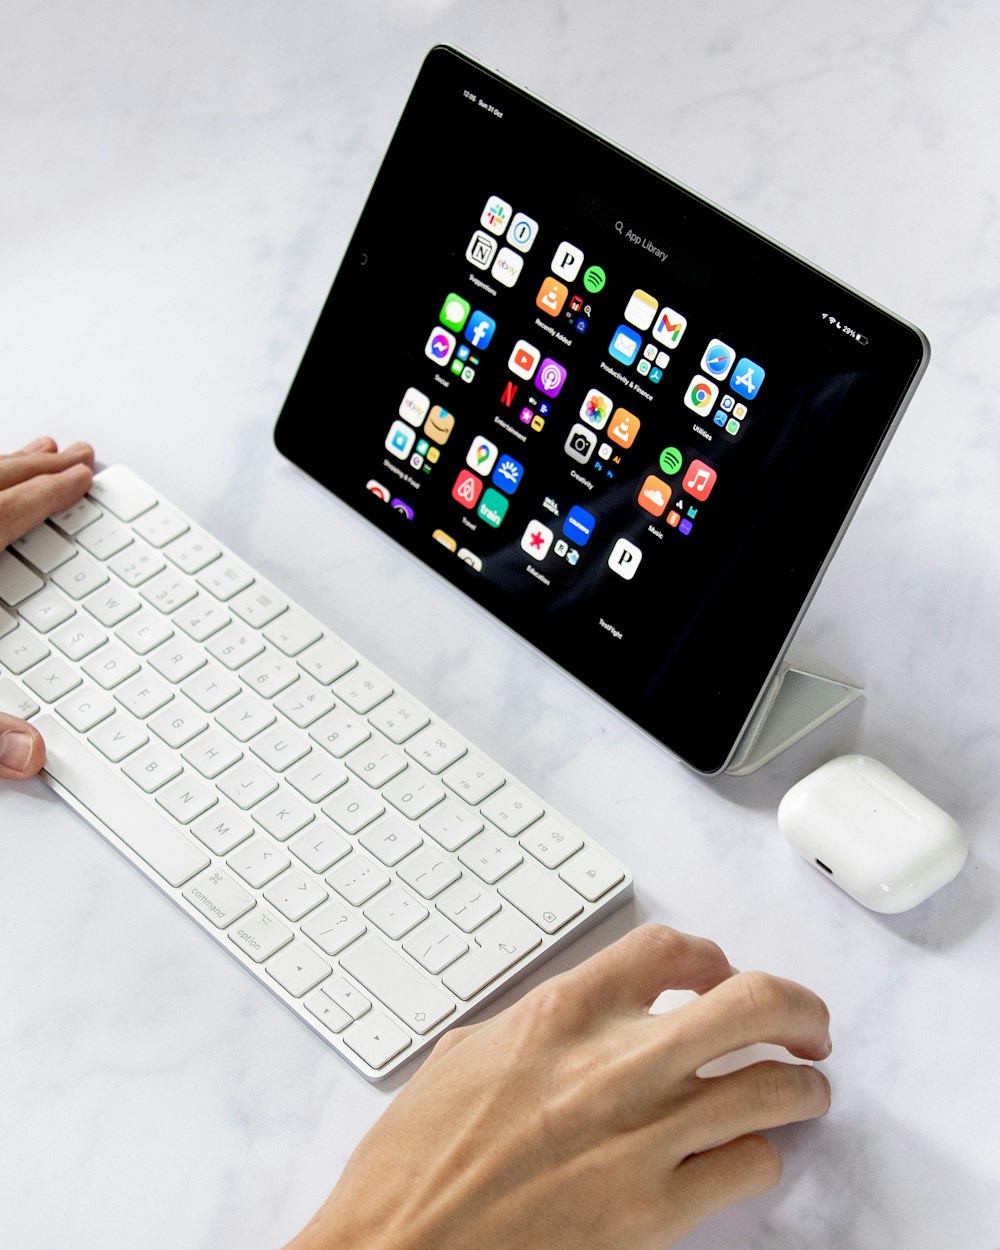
{"type": "Point", "coordinates": [797, 701]}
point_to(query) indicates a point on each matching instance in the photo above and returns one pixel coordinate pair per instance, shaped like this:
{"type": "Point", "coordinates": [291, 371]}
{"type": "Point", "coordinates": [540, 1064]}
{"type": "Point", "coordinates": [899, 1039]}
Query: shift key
{"type": "Point", "coordinates": [402, 989]}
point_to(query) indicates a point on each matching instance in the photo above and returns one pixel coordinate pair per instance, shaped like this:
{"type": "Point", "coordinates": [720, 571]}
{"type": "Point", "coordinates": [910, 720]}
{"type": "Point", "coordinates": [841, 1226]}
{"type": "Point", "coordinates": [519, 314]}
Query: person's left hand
{"type": "Point", "coordinates": [35, 482]}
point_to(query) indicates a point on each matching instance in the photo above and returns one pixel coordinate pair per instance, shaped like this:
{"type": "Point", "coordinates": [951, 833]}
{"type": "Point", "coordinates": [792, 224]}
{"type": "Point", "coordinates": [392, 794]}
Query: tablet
{"type": "Point", "coordinates": [628, 425]}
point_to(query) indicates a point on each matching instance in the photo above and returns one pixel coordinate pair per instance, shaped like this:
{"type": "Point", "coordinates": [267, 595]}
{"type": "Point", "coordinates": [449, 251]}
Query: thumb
{"type": "Point", "coordinates": [22, 751]}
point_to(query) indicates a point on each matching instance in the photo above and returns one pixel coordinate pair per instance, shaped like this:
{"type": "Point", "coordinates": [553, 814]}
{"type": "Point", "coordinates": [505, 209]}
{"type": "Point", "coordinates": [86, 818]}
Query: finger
{"type": "Point", "coordinates": [38, 444]}
{"type": "Point", "coordinates": [22, 751]}
{"type": "Point", "coordinates": [764, 1095]}
{"type": "Point", "coordinates": [748, 1007]}
{"type": "Point", "coordinates": [708, 1182]}
{"type": "Point", "coordinates": [27, 504]}
{"type": "Point", "coordinates": [650, 959]}
{"type": "Point", "coordinates": [24, 465]}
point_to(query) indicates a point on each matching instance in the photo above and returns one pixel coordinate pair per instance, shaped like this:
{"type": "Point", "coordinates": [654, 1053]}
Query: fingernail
{"type": "Point", "coordinates": [15, 749]}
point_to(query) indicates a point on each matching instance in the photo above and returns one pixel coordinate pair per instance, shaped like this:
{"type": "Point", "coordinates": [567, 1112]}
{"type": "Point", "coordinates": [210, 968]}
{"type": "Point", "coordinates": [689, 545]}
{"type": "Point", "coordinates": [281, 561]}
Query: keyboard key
{"type": "Point", "coordinates": [435, 945]}
{"type": "Point", "coordinates": [137, 564]}
{"type": "Point", "coordinates": [298, 969]}
{"type": "Point", "coordinates": [292, 632]}
{"type": "Point", "coordinates": [160, 525]}
{"type": "Point", "coordinates": [375, 763]}
{"type": "Point", "coordinates": [105, 538]}
{"type": "Point", "coordinates": [258, 861]}
{"type": "Point", "coordinates": [178, 723]}
{"type": "Point", "coordinates": [339, 732]}
{"type": "Point", "coordinates": [143, 695]}
{"type": "Point", "coordinates": [326, 660]}
{"type": "Point", "coordinates": [121, 493]}
{"type": "Point", "coordinates": [333, 928]}
{"type": "Point", "coordinates": [591, 874]}
{"type": "Point", "coordinates": [283, 814]}
{"type": "Point", "coordinates": [352, 807]}
{"type": "Point", "coordinates": [499, 945]}
{"type": "Point", "coordinates": [151, 768]}
{"type": "Point", "coordinates": [118, 737]}
{"type": "Point", "coordinates": [347, 997]}
{"type": "Point", "coordinates": [390, 840]}
{"type": "Point", "coordinates": [395, 912]}
{"type": "Point", "coordinates": [72, 520]}
{"type": "Point", "coordinates": [211, 687]}
{"type": "Point", "coordinates": [258, 605]}
{"type": "Point", "coordinates": [167, 591]}
{"type": "Point", "coordinates": [491, 856]}
{"type": "Point", "coordinates": [279, 748]}
{"type": "Point", "coordinates": [552, 841]}
{"type": "Point", "coordinates": [224, 578]}
{"type": "Point", "coordinates": [78, 638]}
{"type": "Point", "coordinates": [234, 645]}
{"type": "Point", "coordinates": [14, 702]}
{"type": "Point", "coordinates": [201, 617]}
{"type": "Point", "coordinates": [316, 776]}
{"type": "Point", "coordinates": [548, 902]}
{"type": "Point", "coordinates": [212, 753]}
{"type": "Point", "coordinates": [17, 580]}
{"type": "Point", "coordinates": [111, 666]}
{"type": "Point", "coordinates": [52, 679]}
{"type": "Point", "coordinates": [319, 847]}
{"type": "Point", "coordinates": [473, 779]}
{"type": "Point", "coordinates": [327, 1011]}
{"type": "Point", "coordinates": [429, 872]}
{"type": "Point", "coordinates": [260, 934]}
{"type": "Point", "coordinates": [451, 826]}
{"type": "Point", "coordinates": [304, 702]}
{"type": "Point", "coordinates": [396, 983]}
{"type": "Point", "coordinates": [436, 748]}
{"type": "Point", "coordinates": [46, 610]}
{"type": "Point", "coordinates": [413, 794]}
{"type": "Point", "coordinates": [186, 799]}
{"type": "Point", "coordinates": [78, 577]}
{"type": "Point", "coordinates": [192, 551]}
{"type": "Point", "coordinates": [20, 649]}
{"type": "Point", "coordinates": [177, 660]}
{"type": "Point", "coordinates": [468, 903]}
{"type": "Point", "coordinates": [357, 879]}
{"type": "Point", "coordinates": [44, 548]}
{"type": "Point", "coordinates": [85, 708]}
{"type": "Point", "coordinates": [377, 1040]}
{"type": "Point", "coordinates": [269, 674]}
{"type": "Point", "coordinates": [135, 821]}
{"type": "Point", "coordinates": [362, 689]}
{"type": "Point", "coordinates": [295, 894]}
{"type": "Point", "coordinates": [244, 716]}
{"type": "Point", "coordinates": [217, 896]}
{"type": "Point", "coordinates": [246, 784]}
{"type": "Point", "coordinates": [399, 718]}
{"type": "Point", "coordinates": [7, 622]}
{"type": "Point", "coordinates": [222, 829]}
{"type": "Point", "coordinates": [144, 631]}
{"type": "Point", "coordinates": [512, 810]}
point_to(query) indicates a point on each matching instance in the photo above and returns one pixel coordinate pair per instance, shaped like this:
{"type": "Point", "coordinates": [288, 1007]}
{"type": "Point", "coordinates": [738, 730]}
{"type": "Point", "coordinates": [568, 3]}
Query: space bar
{"type": "Point", "coordinates": [108, 794]}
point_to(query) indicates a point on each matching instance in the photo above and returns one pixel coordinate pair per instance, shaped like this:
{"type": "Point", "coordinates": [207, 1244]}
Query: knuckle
{"type": "Point", "coordinates": [763, 995]}
{"type": "Point", "coordinates": [657, 940]}
{"type": "Point", "coordinates": [770, 1088]}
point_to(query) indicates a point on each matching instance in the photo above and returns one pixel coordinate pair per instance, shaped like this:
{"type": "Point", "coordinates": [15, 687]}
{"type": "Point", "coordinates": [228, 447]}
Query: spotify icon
{"type": "Point", "coordinates": [670, 460]}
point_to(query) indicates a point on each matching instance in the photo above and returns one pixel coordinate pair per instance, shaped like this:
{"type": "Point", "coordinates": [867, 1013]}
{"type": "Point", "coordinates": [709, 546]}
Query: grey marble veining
{"type": "Point", "coordinates": [179, 181]}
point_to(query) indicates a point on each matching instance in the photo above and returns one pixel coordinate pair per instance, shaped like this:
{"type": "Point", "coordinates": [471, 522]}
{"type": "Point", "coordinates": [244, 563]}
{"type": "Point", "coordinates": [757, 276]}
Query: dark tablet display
{"type": "Point", "coordinates": [627, 425]}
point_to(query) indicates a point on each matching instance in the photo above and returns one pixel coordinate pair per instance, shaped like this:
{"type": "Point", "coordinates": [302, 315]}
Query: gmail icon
{"type": "Point", "coordinates": [668, 327]}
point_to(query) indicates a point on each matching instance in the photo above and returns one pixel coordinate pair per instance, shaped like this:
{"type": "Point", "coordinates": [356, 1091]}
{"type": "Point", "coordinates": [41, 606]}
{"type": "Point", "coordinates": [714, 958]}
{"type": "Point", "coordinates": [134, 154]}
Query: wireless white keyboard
{"type": "Point", "coordinates": [358, 856]}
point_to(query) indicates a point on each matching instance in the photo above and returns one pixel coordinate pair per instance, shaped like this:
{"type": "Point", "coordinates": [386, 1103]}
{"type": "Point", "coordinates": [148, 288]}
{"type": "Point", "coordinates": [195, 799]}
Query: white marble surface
{"type": "Point", "coordinates": [179, 180]}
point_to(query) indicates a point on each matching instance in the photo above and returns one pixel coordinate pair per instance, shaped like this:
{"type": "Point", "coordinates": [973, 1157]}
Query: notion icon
{"type": "Point", "coordinates": [624, 559]}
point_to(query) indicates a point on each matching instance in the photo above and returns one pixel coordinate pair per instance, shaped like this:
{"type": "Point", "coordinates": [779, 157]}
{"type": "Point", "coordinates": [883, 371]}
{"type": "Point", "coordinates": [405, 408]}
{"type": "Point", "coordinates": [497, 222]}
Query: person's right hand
{"type": "Point", "coordinates": [35, 482]}
{"type": "Point", "coordinates": [575, 1120]}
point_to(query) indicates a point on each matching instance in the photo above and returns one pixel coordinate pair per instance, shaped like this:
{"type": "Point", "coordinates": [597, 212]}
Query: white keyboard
{"type": "Point", "coordinates": [357, 855]}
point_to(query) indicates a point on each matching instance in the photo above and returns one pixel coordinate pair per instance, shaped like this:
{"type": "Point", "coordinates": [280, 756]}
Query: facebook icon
{"type": "Point", "coordinates": [479, 330]}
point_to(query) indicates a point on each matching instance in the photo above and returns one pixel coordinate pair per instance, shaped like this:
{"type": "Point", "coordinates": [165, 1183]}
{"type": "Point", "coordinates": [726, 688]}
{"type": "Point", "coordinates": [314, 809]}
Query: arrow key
{"type": "Point", "coordinates": [348, 997]}
{"type": "Point", "coordinates": [327, 1011]}
{"type": "Point", "coordinates": [298, 969]}
{"type": "Point", "coordinates": [376, 1039]}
